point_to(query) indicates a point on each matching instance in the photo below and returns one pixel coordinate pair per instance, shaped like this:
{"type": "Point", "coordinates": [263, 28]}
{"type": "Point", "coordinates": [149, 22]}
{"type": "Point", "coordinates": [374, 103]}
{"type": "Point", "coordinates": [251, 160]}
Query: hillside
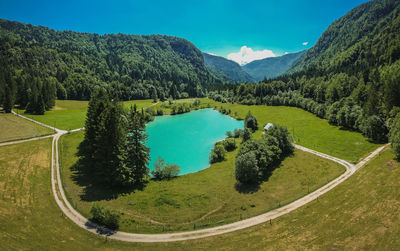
{"type": "Point", "coordinates": [351, 76]}
{"type": "Point", "coordinates": [271, 67]}
{"type": "Point", "coordinates": [72, 63]}
{"type": "Point", "coordinates": [366, 37]}
{"type": "Point", "coordinates": [226, 69]}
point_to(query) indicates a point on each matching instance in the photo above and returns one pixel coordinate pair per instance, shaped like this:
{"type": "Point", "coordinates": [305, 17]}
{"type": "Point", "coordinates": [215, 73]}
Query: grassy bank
{"type": "Point", "coordinates": [203, 199]}
{"type": "Point", "coordinates": [14, 128]}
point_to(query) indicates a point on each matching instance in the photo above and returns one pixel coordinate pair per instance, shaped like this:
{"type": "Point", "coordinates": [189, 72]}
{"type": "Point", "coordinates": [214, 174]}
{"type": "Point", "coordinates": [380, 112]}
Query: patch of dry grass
{"type": "Point", "coordinates": [13, 128]}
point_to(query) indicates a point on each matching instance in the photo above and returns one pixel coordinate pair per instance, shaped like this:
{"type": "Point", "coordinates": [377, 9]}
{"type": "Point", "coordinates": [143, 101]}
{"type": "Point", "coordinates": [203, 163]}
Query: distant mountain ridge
{"type": "Point", "coordinates": [271, 67]}
{"type": "Point", "coordinates": [226, 69]}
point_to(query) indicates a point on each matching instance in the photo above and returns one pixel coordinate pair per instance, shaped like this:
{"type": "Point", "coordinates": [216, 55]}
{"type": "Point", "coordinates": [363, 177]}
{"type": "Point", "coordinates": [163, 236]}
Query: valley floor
{"type": "Point", "coordinates": [360, 212]}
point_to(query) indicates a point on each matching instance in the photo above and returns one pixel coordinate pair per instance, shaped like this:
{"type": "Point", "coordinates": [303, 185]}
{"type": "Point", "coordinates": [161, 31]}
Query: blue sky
{"type": "Point", "coordinates": [216, 26]}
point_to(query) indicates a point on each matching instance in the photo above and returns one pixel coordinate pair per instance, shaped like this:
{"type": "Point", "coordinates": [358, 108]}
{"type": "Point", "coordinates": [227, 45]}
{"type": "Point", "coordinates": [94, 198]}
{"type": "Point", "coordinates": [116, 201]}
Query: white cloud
{"type": "Point", "coordinates": [305, 43]}
{"type": "Point", "coordinates": [246, 55]}
{"type": "Point", "coordinates": [209, 53]}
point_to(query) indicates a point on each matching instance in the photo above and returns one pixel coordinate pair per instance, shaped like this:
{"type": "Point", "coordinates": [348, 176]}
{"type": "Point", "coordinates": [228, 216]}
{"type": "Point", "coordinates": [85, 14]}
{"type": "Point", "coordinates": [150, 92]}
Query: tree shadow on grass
{"type": "Point", "coordinates": [94, 188]}
{"type": "Point", "coordinates": [247, 188]}
{"type": "Point", "coordinates": [264, 177]}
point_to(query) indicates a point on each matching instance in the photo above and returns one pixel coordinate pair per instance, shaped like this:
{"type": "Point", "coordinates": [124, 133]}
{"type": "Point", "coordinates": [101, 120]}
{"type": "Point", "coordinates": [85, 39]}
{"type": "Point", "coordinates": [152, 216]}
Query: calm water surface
{"type": "Point", "coordinates": [187, 139]}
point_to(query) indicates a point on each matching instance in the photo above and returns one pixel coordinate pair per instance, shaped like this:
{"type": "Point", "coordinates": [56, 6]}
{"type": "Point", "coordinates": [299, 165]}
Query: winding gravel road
{"type": "Point", "coordinates": [84, 223]}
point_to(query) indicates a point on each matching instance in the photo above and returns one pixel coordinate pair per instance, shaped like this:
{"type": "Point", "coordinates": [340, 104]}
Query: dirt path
{"type": "Point", "coordinates": [24, 140]}
{"type": "Point", "coordinates": [84, 223]}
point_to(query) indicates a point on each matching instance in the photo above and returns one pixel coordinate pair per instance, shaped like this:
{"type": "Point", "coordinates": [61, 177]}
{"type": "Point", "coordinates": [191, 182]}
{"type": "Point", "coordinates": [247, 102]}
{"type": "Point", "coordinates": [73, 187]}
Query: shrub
{"type": "Point", "coordinates": [246, 135]}
{"type": "Point", "coordinates": [150, 111]}
{"type": "Point", "coordinates": [395, 136]}
{"type": "Point", "coordinates": [160, 112]}
{"type": "Point", "coordinates": [246, 170]}
{"type": "Point", "coordinates": [106, 217]}
{"type": "Point", "coordinates": [217, 154]}
{"type": "Point", "coordinates": [164, 170]}
{"type": "Point", "coordinates": [229, 134]}
{"type": "Point", "coordinates": [237, 133]}
{"type": "Point", "coordinates": [229, 144]}
{"type": "Point", "coordinates": [251, 122]}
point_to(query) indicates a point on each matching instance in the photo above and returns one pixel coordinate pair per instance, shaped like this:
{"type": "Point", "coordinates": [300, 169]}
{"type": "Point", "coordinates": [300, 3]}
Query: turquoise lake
{"type": "Point", "coordinates": [187, 139]}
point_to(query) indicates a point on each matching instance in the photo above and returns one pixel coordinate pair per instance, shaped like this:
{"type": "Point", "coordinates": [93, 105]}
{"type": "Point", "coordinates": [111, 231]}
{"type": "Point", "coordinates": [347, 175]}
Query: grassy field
{"type": "Point", "coordinates": [308, 130]}
{"type": "Point", "coordinates": [203, 199]}
{"type": "Point", "coordinates": [13, 128]}
{"type": "Point", "coordinates": [361, 213]}
{"type": "Point", "coordinates": [71, 114]}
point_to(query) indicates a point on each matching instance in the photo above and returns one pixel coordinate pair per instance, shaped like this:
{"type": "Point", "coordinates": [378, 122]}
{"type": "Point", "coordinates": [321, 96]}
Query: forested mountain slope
{"type": "Point", "coordinates": [366, 37]}
{"type": "Point", "coordinates": [271, 67]}
{"type": "Point", "coordinates": [71, 63]}
{"type": "Point", "coordinates": [350, 77]}
{"type": "Point", "coordinates": [226, 69]}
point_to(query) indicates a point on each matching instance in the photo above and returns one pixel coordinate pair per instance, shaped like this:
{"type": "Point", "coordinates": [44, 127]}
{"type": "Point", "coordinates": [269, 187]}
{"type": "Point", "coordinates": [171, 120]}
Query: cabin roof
{"type": "Point", "coordinates": [268, 125]}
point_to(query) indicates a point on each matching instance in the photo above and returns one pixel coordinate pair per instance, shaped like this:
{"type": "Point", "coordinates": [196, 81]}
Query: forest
{"type": "Point", "coordinates": [39, 64]}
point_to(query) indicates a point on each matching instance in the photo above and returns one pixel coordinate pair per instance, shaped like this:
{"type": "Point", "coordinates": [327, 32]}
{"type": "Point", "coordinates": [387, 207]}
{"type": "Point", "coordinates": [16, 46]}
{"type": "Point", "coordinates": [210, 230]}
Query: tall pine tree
{"type": "Point", "coordinates": [137, 154]}
{"type": "Point", "coordinates": [114, 146]}
{"type": "Point", "coordinates": [8, 92]}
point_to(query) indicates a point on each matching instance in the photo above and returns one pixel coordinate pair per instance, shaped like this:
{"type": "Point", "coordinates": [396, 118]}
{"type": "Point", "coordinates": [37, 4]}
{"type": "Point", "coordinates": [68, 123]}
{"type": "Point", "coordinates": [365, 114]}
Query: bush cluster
{"type": "Point", "coordinates": [106, 217]}
{"type": "Point", "coordinates": [229, 144]}
{"type": "Point", "coordinates": [217, 153]}
{"type": "Point", "coordinates": [257, 158]}
{"type": "Point", "coordinates": [164, 170]}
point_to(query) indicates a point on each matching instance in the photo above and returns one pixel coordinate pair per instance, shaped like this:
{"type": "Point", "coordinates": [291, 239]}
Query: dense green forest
{"type": "Point", "coordinates": [350, 77]}
{"type": "Point", "coordinates": [39, 64]}
{"type": "Point", "coordinates": [271, 67]}
{"type": "Point", "coordinates": [226, 69]}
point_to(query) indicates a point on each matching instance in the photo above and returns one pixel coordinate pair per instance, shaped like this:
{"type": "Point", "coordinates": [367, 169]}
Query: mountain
{"type": "Point", "coordinates": [132, 66]}
{"type": "Point", "coordinates": [271, 67]}
{"type": "Point", "coordinates": [226, 69]}
{"type": "Point", "coordinates": [351, 76]}
{"type": "Point", "coordinates": [364, 38]}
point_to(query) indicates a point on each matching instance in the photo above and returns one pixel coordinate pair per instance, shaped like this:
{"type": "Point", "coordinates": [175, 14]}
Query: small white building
{"type": "Point", "coordinates": [267, 126]}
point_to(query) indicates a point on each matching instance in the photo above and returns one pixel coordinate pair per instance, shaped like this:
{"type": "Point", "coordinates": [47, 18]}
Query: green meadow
{"type": "Point", "coordinates": [358, 213]}
{"type": "Point", "coordinates": [198, 200]}
{"type": "Point", "coordinates": [71, 114]}
{"type": "Point", "coordinates": [308, 130]}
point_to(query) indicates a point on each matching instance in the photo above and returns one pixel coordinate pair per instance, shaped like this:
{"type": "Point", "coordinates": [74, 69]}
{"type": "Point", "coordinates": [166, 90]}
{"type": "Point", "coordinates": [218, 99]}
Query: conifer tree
{"type": "Point", "coordinates": [137, 154]}
{"type": "Point", "coordinates": [9, 95]}
{"type": "Point", "coordinates": [8, 91]}
{"type": "Point", "coordinates": [154, 95]}
{"type": "Point", "coordinates": [110, 150]}
{"type": "Point", "coordinates": [94, 125]}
